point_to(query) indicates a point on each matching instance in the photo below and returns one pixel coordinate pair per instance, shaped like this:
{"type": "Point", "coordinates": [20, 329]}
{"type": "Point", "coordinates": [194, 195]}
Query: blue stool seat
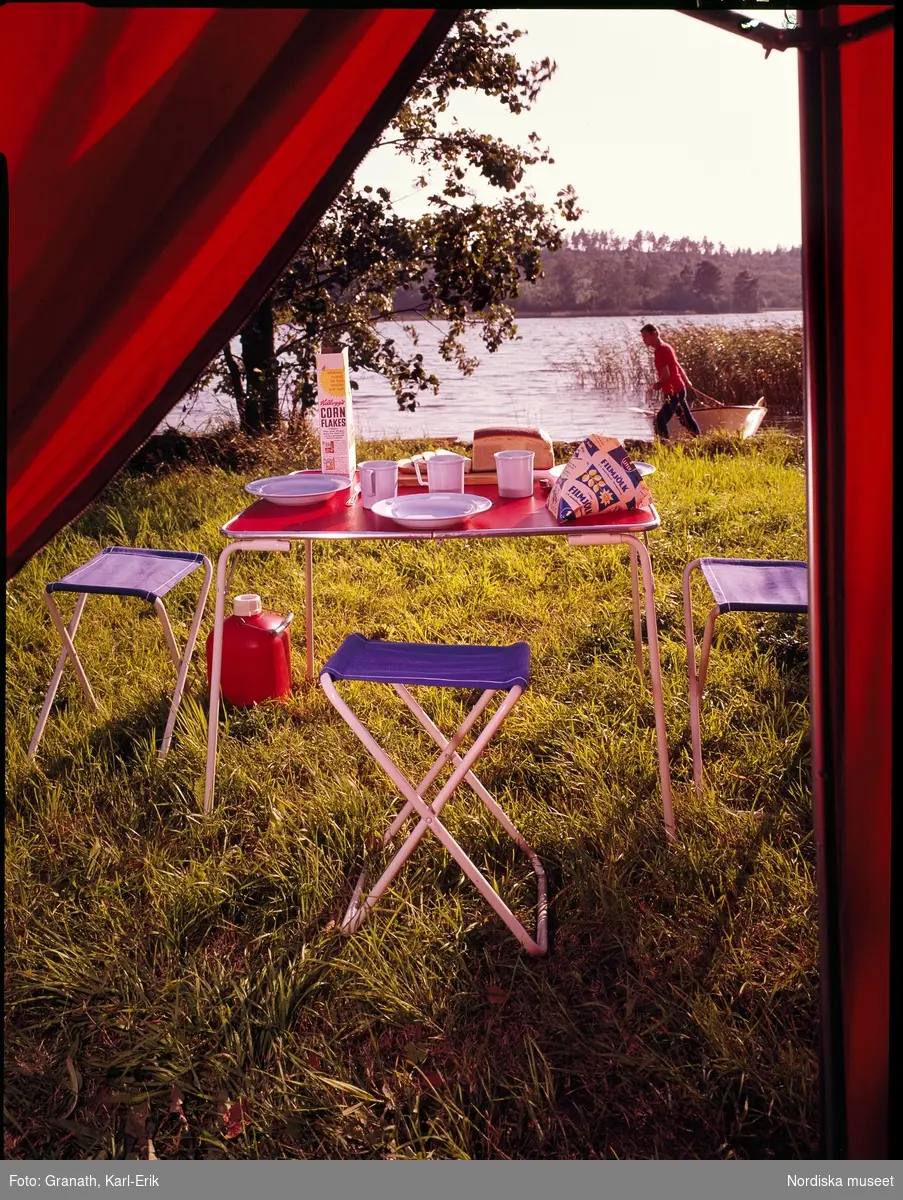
{"type": "Point", "coordinates": [756, 585]}
{"type": "Point", "coordinates": [124, 571]}
{"type": "Point", "coordinates": [498, 668]}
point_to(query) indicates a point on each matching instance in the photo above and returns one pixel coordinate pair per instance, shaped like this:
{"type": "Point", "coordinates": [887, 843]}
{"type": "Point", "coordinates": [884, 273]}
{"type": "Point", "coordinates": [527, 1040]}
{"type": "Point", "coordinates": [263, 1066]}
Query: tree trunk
{"type": "Point", "coordinates": [238, 388]}
{"type": "Point", "coordinates": [258, 349]}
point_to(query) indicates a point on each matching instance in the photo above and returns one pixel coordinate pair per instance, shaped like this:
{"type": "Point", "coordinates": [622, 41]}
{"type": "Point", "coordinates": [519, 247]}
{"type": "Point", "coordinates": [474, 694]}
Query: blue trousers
{"type": "Point", "coordinates": [675, 403]}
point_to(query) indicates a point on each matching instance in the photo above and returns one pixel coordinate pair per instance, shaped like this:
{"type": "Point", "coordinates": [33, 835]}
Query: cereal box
{"type": "Point", "coordinates": [335, 415]}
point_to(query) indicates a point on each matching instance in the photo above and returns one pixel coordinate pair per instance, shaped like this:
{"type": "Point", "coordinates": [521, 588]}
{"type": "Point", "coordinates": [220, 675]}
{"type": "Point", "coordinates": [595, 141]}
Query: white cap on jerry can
{"type": "Point", "coordinates": [247, 605]}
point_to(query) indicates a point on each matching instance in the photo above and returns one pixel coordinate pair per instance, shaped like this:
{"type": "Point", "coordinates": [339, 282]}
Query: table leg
{"type": "Point", "coordinates": [655, 670]}
{"type": "Point", "coordinates": [216, 672]}
{"type": "Point", "coordinates": [223, 575]}
{"type": "Point", "coordinates": [309, 604]}
{"type": "Point", "coordinates": [637, 619]}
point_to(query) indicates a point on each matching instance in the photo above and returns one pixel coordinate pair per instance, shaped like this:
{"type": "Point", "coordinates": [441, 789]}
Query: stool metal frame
{"type": "Point", "coordinates": [89, 579]}
{"type": "Point", "coordinates": [429, 812]}
{"type": "Point", "coordinates": [738, 585]}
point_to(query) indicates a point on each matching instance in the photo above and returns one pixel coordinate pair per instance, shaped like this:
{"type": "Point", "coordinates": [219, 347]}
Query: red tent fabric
{"type": "Point", "coordinates": [867, 123]}
{"type": "Point", "coordinates": [163, 166]}
{"type": "Point", "coordinates": [847, 126]}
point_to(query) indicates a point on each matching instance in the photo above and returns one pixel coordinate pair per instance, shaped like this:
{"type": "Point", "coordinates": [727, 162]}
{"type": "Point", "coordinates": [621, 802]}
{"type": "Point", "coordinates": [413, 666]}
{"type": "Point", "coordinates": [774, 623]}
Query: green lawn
{"type": "Point", "coordinates": [161, 967]}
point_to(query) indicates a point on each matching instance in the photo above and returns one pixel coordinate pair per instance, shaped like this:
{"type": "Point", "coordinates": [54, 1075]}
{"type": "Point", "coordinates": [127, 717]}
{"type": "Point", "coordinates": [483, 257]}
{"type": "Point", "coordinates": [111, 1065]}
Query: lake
{"type": "Point", "coordinates": [526, 382]}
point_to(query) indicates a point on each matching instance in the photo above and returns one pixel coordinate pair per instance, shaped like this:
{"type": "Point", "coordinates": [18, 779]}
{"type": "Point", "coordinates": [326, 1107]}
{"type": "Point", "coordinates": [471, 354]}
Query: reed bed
{"type": "Point", "coordinates": [175, 985]}
{"type": "Point", "coordinates": [620, 363]}
{"type": "Point", "coordinates": [735, 366]}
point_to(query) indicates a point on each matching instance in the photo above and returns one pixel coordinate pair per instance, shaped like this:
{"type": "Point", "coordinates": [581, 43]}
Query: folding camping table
{"type": "Point", "coordinates": [266, 526]}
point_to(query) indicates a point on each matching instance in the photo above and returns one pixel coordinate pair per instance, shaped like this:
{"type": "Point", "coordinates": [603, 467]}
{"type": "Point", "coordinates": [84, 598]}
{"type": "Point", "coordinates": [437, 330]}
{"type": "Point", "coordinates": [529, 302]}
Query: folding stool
{"type": "Point", "coordinates": [406, 664]}
{"type": "Point", "coordinates": [123, 571]}
{"type": "Point", "coordinates": [738, 585]}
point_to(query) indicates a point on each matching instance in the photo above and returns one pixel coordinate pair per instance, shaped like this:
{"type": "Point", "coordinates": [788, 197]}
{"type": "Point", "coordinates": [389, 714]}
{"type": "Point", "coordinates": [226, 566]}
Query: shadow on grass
{"type": "Point", "coordinates": [785, 639]}
{"type": "Point", "coordinates": [747, 857]}
{"type": "Point", "coordinates": [122, 736]}
{"type": "Point", "coordinates": [651, 987]}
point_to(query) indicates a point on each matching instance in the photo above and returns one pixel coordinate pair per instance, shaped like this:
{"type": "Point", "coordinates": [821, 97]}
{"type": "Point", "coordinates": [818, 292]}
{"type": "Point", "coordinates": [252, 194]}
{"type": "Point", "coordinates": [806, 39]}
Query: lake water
{"type": "Point", "coordinates": [525, 382]}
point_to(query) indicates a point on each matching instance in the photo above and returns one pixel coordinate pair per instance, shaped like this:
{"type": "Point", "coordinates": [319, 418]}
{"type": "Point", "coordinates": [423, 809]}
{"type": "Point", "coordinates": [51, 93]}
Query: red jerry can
{"type": "Point", "coordinates": [257, 656]}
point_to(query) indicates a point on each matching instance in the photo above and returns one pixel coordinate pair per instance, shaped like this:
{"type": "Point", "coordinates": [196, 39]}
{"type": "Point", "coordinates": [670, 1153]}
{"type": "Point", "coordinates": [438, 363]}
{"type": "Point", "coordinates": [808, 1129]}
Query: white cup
{"type": "Point", "coordinates": [514, 469]}
{"type": "Point", "coordinates": [379, 480]}
{"type": "Point", "coordinates": [444, 472]}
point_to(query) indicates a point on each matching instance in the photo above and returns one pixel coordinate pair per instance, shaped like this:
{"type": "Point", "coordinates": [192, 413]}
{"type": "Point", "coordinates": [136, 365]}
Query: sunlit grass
{"type": "Point", "coordinates": [160, 965]}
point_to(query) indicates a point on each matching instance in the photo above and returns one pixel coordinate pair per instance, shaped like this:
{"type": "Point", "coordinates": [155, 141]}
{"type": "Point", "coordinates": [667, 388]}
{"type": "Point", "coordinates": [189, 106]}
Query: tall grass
{"type": "Point", "coordinates": [176, 984]}
{"type": "Point", "coordinates": [735, 366]}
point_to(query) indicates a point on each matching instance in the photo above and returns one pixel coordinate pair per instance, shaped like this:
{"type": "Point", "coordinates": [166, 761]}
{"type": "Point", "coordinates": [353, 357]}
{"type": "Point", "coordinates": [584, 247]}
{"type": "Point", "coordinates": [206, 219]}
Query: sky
{"type": "Point", "coordinates": [659, 121]}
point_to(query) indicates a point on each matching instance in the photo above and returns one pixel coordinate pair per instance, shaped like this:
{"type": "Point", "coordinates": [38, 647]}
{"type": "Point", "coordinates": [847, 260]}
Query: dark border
{"type": "Point", "coordinates": [895, 1036]}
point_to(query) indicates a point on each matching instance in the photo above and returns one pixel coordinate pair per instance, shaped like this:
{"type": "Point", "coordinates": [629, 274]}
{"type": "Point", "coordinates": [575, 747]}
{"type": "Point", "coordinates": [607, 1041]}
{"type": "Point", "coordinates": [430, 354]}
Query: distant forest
{"type": "Point", "coordinates": [599, 272]}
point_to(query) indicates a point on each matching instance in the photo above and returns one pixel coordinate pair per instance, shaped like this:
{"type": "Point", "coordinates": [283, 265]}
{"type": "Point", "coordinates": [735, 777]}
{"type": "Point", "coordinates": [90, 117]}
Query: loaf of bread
{"type": "Point", "coordinates": [487, 442]}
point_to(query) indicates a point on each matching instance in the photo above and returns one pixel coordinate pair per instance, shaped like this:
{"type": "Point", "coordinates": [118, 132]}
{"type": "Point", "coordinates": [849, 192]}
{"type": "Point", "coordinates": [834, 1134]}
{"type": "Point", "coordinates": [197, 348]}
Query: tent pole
{"type": "Point", "coordinates": [823, 333]}
{"type": "Point", "coordinates": [811, 37]}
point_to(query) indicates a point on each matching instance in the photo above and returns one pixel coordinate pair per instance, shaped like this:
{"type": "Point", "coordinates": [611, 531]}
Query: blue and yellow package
{"type": "Point", "coordinates": [600, 477]}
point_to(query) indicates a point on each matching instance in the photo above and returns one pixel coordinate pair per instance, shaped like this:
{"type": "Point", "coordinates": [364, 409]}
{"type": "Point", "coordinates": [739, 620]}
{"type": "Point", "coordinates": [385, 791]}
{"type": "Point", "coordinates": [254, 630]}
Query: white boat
{"type": "Point", "coordinates": [743, 419]}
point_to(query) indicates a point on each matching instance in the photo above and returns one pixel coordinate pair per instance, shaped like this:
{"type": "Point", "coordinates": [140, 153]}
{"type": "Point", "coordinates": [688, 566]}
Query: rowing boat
{"type": "Point", "coordinates": [743, 419]}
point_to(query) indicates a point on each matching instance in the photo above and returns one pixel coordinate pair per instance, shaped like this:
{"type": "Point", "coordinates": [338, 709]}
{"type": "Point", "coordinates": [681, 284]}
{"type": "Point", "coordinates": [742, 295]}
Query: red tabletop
{"type": "Point", "coordinates": [507, 518]}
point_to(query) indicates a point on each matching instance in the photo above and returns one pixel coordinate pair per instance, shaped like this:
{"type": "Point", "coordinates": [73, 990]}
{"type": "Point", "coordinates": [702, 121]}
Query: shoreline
{"type": "Point", "coordinates": [232, 450]}
{"type": "Point", "coordinates": [640, 313]}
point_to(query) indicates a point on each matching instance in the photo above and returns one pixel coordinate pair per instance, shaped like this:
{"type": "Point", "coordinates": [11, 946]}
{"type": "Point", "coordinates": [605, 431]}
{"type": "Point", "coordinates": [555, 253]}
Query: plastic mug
{"type": "Point", "coordinates": [514, 469]}
{"type": "Point", "coordinates": [444, 472]}
{"type": "Point", "coordinates": [379, 480]}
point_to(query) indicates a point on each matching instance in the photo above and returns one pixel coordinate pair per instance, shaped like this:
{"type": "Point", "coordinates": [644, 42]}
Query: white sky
{"type": "Point", "coordinates": [659, 121]}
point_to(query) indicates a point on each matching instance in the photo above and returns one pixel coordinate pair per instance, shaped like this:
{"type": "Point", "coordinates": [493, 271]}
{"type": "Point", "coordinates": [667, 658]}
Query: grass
{"type": "Point", "coordinates": [735, 366]}
{"type": "Point", "coordinates": [176, 985]}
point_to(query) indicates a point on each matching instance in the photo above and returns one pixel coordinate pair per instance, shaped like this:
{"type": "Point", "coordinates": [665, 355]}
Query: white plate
{"type": "Point", "coordinates": [644, 468]}
{"type": "Point", "coordinates": [431, 510]}
{"type": "Point", "coordinates": [294, 490]}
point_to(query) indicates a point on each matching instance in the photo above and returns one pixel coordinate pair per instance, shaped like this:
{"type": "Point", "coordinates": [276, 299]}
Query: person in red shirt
{"type": "Point", "coordinates": [672, 383]}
